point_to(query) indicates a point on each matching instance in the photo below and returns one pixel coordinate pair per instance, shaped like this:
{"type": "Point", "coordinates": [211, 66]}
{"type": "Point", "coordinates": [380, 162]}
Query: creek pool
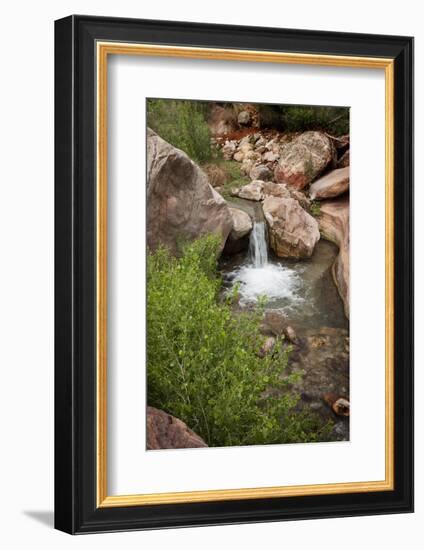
{"type": "Point", "coordinates": [303, 290]}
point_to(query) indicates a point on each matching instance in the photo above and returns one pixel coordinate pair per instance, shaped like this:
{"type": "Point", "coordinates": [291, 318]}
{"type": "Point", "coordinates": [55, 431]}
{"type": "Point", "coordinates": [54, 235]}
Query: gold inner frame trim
{"type": "Point", "coordinates": [103, 50]}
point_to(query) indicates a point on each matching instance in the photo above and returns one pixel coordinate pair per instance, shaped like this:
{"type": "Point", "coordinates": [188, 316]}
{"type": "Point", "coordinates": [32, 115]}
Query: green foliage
{"type": "Point", "coordinates": [315, 208]}
{"type": "Point", "coordinates": [183, 124]}
{"type": "Point", "coordinates": [204, 363]}
{"type": "Point", "coordinates": [297, 118]}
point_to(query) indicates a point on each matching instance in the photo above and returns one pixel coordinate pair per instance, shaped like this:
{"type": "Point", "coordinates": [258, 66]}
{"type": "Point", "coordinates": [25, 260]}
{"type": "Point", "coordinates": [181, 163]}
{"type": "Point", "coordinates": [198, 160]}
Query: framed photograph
{"type": "Point", "coordinates": [234, 274]}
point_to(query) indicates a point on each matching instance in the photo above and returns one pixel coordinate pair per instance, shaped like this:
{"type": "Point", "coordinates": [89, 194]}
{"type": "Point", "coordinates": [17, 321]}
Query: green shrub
{"type": "Point", "coordinates": [298, 118]}
{"type": "Point", "coordinates": [183, 124]}
{"type": "Point", "coordinates": [204, 365]}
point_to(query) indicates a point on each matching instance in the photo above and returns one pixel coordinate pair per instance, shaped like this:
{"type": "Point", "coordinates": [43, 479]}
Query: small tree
{"type": "Point", "coordinates": [183, 124]}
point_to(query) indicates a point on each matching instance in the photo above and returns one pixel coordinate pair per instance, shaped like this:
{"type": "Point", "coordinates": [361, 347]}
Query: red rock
{"type": "Point", "coordinates": [164, 431]}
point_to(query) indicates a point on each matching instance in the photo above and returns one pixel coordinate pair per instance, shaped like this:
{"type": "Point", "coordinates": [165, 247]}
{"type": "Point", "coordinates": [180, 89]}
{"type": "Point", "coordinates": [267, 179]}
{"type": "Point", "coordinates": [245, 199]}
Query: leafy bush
{"type": "Point", "coordinates": [183, 124]}
{"type": "Point", "coordinates": [296, 118]}
{"type": "Point", "coordinates": [204, 363]}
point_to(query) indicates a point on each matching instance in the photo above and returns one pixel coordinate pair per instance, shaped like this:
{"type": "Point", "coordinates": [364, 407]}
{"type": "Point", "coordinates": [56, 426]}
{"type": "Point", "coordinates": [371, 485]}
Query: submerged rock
{"type": "Point", "coordinates": [303, 159]}
{"type": "Point", "coordinates": [293, 233]}
{"type": "Point", "coordinates": [325, 370]}
{"type": "Point", "coordinates": [181, 204]}
{"type": "Point", "coordinates": [164, 431]}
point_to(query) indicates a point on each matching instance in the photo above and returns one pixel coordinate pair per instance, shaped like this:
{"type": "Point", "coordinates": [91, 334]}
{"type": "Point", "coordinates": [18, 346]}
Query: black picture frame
{"type": "Point", "coordinates": [76, 510]}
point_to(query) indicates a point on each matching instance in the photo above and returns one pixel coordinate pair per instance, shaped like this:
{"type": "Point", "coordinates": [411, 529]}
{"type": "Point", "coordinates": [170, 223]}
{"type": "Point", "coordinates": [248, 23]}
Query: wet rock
{"type": "Point", "coordinates": [242, 223]}
{"type": "Point", "coordinates": [181, 204]}
{"type": "Point", "coordinates": [293, 233]}
{"type": "Point", "coordinates": [274, 322]}
{"type": "Point", "coordinates": [325, 365]}
{"type": "Point", "coordinates": [238, 239]}
{"type": "Point", "coordinates": [303, 159]}
{"type": "Point", "coordinates": [164, 431]}
{"type": "Point", "coordinates": [331, 185]}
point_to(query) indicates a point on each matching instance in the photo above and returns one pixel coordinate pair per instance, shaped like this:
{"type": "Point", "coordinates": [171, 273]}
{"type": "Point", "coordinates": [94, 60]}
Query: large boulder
{"type": "Point", "coordinates": [238, 239]}
{"type": "Point", "coordinates": [303, 159]}
{"type": "Point", "coordinates": [164, 431]}
{"type": "Point", "coordinates": [334, 226]}
{"type": "Point", "coordinates": [242, 223]}
{"type": "Point", "coordinates": [331, 185]}
{"type": "Point", "coordinates": [293, 233]}
{"type": "Point", "coordinates": [181, 204]}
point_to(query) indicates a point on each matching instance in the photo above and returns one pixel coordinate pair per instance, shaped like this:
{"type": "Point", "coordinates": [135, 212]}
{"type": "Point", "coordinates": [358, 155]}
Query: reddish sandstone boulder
{"type": "Point", "coordinates": [293, 233]}
{"type": "Point", "coordinates": [181, 204]}
{"type": "Point", "coordinates": [304, 159]}
{"type": "Point", "coordinates": [164, 431]}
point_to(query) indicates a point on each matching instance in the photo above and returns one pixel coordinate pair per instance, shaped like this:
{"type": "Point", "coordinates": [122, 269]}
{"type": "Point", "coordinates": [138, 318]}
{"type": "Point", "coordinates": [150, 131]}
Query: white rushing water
{"type": "Point", "coordinates": [258, 247]}
{"type": "Point", "coordinates": [259, 277]}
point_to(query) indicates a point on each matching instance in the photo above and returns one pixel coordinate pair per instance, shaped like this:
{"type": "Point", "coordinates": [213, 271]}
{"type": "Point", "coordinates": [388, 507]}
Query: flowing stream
{"type": "Point", "coordinates": [302, 289]}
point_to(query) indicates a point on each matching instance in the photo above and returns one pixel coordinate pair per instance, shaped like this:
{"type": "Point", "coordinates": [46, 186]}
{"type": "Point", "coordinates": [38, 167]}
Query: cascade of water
{"type": "Point", "coordinates": [258, 247]}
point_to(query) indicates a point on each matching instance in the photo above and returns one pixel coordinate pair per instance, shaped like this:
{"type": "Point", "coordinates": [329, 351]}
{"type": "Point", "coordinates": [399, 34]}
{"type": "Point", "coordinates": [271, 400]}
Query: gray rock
{"type": "Point", "coordinates": [243, 118]}
{"type": "Point", "coordinates": [260, 172]}
{"type": "Point", "coordinates": [253, 191]}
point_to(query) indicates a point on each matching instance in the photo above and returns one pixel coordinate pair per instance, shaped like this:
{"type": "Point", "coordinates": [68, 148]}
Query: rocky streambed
{"type": "Point", "coordinates": [284, 235]}
{"type": "Point", "coordinates": [303, 305]}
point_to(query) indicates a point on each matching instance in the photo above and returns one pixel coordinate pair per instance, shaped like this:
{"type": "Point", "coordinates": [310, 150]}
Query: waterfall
{"type": "Point", "coordinates": [258, 247]}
